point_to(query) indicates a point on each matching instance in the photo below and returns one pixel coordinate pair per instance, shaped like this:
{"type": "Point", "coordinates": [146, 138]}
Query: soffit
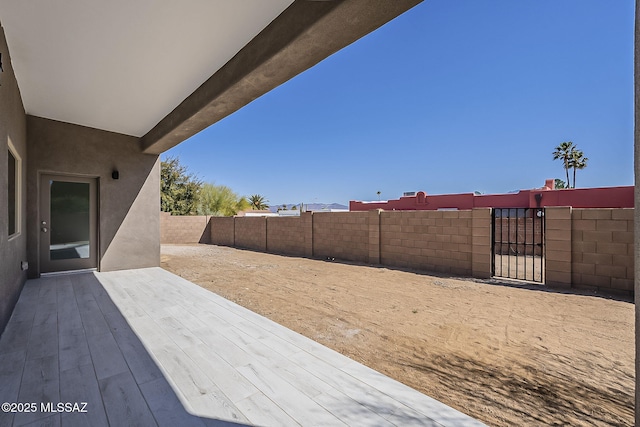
{"type": "Point", "coordinates": [123, 65]}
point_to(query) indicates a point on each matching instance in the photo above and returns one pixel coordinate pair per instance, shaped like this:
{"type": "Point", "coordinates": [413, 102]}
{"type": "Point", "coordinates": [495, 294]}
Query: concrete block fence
{"type": "Point", "coordinates": [455, 242]}
{"type": "Point", "coordinates": [584, 248]}
{"type": "Point", "coordinates": [590, 248]}
{"type": "Point", "coordinates": [184, 229]}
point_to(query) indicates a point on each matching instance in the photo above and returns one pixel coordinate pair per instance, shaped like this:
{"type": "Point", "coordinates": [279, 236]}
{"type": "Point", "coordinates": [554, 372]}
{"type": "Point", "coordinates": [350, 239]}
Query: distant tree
{"type": "Point", "coordinates": [258, 202]}
{"type": "Point", "coordinates": [179, 189]}
{"type": "Point", "coordinates": [563, 152]}
{"type": "Point", "coordinates": [294, 208]}
{"type": "Point", "coordinates": [243, 204]}
{"type": "Point", "coordinates": [220, 200]}
{"type": "Point", "coordinates": [577, 161]}
{"type": "Point", "coordinates": [378, 193]}
{"type": "Point", "coordinates": [560, 184]}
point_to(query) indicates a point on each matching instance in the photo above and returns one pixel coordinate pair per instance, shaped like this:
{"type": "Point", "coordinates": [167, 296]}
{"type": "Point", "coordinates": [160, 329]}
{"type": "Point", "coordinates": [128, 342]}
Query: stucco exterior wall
{"type": "Point", "coordinates": [12, 129]}
{"type": "Point", "coordinates": [636, 216]}
{"type": "Point", "coordinates": [129, 223]}
{"type": "Point", "coordinates": [604, 197]}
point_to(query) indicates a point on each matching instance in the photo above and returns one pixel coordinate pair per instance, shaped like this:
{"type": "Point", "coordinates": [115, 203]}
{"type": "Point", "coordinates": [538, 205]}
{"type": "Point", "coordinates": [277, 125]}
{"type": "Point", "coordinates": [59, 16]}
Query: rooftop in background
{"type": "Point", "coordinates": [315, 207]}
{"type": "Point", "coordinates": [256, 213]}
{"type": "Point", "coordinates": [602, 197]}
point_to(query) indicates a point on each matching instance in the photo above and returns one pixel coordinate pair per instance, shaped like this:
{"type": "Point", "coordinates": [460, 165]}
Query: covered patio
{"type": "Point", "coordinates": [146, 347]}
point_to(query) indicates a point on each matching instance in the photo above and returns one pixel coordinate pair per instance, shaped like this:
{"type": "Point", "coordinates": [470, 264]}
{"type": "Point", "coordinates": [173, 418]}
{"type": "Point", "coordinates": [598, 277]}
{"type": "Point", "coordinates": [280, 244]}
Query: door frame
{"type": "Point", "coordinates": [46, 265]}
{"type": "Point", "coordinates": [525, 256]}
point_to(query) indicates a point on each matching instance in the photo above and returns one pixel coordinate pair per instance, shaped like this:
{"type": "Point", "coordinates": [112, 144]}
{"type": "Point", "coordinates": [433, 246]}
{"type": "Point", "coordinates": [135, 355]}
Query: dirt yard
{"type": "Point", "coordinates": [506, 355]}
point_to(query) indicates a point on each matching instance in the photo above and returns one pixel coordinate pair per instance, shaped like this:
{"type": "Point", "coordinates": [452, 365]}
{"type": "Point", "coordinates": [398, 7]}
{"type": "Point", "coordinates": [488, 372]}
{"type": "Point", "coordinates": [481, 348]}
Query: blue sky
{"type": "Point", "coordinates": [453, 96]}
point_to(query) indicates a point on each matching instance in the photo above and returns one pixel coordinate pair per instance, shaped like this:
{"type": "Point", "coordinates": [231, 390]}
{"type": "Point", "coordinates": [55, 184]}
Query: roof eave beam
{"type": "Point", "coordinates": [303, 35]}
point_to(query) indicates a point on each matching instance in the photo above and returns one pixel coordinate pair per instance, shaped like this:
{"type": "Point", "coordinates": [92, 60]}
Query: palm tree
{"type": "Point", "coordinates": [563, 152]}
{"type": "Point", "coordinates": [258, 202]}
{"type": "Point", "coordinates": [577, 161]}
{"type": "Point", "coordinates": [378, 193]}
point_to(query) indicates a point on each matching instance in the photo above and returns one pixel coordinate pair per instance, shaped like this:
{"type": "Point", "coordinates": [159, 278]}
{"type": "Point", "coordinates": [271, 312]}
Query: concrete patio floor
{"type": "Point", "coordinates": [146, 347]}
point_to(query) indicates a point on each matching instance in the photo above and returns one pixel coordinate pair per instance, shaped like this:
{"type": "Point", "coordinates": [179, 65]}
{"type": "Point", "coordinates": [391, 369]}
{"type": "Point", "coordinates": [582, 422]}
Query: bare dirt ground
{"type": "Point", "coordinates": [506, 355]}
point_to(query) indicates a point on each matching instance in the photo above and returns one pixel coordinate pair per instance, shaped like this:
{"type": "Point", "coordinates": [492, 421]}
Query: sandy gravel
{"type": "Point", "coordinates": [505, 354]}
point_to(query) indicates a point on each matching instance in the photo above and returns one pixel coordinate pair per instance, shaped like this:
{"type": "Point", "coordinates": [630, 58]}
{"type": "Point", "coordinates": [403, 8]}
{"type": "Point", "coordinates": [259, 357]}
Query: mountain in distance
{"type": "Point", "coordinates": [310, 206]}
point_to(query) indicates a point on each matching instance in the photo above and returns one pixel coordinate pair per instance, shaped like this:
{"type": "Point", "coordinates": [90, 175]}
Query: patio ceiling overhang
{"type": "Point", "coordinates": [163, 70]}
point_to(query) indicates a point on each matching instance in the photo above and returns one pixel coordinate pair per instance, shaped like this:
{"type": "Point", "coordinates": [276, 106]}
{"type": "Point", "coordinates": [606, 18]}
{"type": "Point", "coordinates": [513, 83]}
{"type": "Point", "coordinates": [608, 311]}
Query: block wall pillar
{"type": "Point", "coordinates": [481, 243]}
{"type": "Point", "coordinates": [307, 226]}
{"type": "Point", "coordinates": [557, 236]}
{"type": "Point", "coordinates": [374, 236]}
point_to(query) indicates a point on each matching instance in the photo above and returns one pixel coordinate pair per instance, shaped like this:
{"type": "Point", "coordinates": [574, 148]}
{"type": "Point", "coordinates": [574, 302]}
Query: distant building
{"type": "Point", "coordinates": [282, 212]}
{"type": "Point", "coordinates": [601, 197]}
{"type": "Point", "coordinates": [328, 210]}
{"type": "Point", "coordinates": [288, 212]}
{"type": "Point", "coordinates": [255, 213]}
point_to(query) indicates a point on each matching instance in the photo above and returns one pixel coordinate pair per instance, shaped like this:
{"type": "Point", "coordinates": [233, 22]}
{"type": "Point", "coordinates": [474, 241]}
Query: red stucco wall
{"type": "Point", "coordinates": [605, 197]}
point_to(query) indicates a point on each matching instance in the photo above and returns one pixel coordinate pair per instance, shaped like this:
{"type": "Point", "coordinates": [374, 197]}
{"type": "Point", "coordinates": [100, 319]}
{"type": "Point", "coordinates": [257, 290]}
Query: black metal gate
{"type": "Point", "coordinates": [518, 243]}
